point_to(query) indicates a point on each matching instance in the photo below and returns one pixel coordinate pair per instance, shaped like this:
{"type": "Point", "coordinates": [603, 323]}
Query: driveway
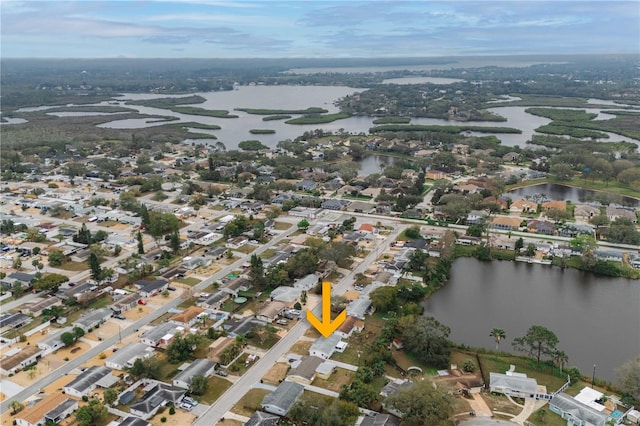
{"type": "Point", "coordinates": [9, 388]}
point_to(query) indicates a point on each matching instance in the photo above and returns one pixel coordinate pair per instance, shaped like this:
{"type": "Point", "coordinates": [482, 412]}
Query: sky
{"type": "Point", "coordinates": [315, 29]}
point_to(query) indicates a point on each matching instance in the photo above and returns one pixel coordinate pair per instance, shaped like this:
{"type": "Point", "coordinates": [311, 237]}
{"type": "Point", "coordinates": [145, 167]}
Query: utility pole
{"type": "Point", "coordinates": [593, 377]}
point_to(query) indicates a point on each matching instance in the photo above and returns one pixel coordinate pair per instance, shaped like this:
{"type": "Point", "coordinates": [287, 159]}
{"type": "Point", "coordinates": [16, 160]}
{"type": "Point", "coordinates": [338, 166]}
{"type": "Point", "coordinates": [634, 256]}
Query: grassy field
{"type": "Point", "coordinates": [250, 402]}
{"type": "Point", "coordinates": [190, 281]}
{"type": "Point", "coordinates": [336, 380]}
{"type": "Point", "coordinates": [217, 386]}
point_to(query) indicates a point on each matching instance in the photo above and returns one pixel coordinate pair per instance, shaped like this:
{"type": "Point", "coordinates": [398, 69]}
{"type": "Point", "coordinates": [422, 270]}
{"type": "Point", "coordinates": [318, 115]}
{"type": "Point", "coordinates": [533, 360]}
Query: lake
{"type": "Point", "coordinates": [595, 318]}
{"type": "Point", "coordinates": [554, 191]}
{"type": "Point", "coordinates": [375, 164]}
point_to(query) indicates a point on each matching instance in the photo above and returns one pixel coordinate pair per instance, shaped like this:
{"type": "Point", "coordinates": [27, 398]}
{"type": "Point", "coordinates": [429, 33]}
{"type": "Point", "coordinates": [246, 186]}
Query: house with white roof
{"type": "Point", "coordinates": [199, 367]}
{"type": "Point", "coordinates": [126, 356]}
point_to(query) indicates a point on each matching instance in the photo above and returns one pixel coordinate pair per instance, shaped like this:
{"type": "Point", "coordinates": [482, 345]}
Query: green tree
{"type": "Point", "coordinates": [68, 339]}
{"type": "Point", "coordinates": [144, 216]}
{"type": "Point", "coordinates": [110, 396]}
{"type": "Point", "coordinates": [498, 334]}
{"type": "Point", "coordinates": [539, 342]}
{"type": "Point", "coordinates": [50, 282]}
{"type": "Point", "coordinates": [384, 298]}
{"type": "Point", "coordinates": [531, 250]}
{"type": "Point", "coordinates": [561, 171]}
{"type": "Point", "coordinates": [162, 223]}
{"type": "Point", "coordinates": [475, 230]}
{"type": "Point", "coordinates": [92, 414]}
{"type": "Point", "coordinates": [182, 347]}
{"type": "Point", "coordinates": [77, 332]}
{"type": "Point", "coordinates": [256, 274]}
{"type": "Point", "coordinates": [94, 266]}
{"type": "Point", "coordinates": [427, 338]}
{"type": "Point", "coordinates": [422, 404]}
{"type": "Point", "coordinates": [628, 375]}
{"type": "Point", "coordinates": [140, 243]}
{"type": "Point", "coordinates": [175, 241]}
{"type": "Point", "coordinates": [16, 406]}
{"type": "Point", "coordinates": [519, 244]}
{"type": "Point", "coordinates": [303, 263]}
{"type": "Point", "coordinates": [199, 385]}
{"type": "Point", "coordinates": [359, 393]}
{"type": "Point", "coordinates": [150, 368]}
{"type": "Point", "coordinates": [622, 231]}
{"type": "Point", "coordinates": [560, 358]}
{"type": "Point", "coordinates": [303, 224]}
{"type": "Point", "coordinates": [17, 263]}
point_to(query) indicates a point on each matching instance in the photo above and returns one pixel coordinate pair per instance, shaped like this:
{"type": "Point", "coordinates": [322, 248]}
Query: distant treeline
{"type": "Point", "coordinates": [260, 111]}
{"type": "Point", "coordinates": [442, 129]}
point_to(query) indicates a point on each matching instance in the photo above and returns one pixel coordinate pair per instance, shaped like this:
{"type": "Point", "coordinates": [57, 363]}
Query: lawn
{"type": "Point", "coordinates": [188, 302]}
{"type": "Point", "coordinates": [162, 318]}
{"type": "Point", "coordinates": [336, 380]}
{"type": "Point", "coordinates": [168, 370]}
{"type": "Point", "coordinates": [302, 348]}
{"type": "Point", "coordinates": [549, 418]}
{"type": "Point", "coordinates": [246, 249]}
{"type": "Point", "coordinates": [74, 266]}
{"type": "Point", "coordinates": [277, 373]}
{"type": "Point", "coordinates": [190, 281]}
{"type": "Point", "coordinates": [264, 338]}
{"type": "Point", "coordinates": [268, 253]}
{"type": "Point", "coordinates": [281, 226]}
{"type": "Point", "coordinates": [239, 367]}
{"type": "Point", "coordinates": [250, 402]}
{"type": "Point", "coordinates": [217, 386]}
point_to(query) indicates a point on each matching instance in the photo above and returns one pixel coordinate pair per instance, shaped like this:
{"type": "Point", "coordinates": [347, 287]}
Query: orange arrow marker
{"type": "Point", "coordinates": [326, 326]}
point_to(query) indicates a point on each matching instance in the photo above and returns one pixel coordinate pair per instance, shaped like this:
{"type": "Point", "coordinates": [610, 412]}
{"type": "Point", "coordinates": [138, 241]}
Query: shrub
{"type": "Point", "coordinates": [102, 355]}
{"type": "Point", "coordinates": [66, 358]}
{"type": "Point", "coordinates": [85, 398]}
{"type": "Point", "coordinates": [172, 410]}
{"type": "Point", "coordinates": [23, 338]}
{"type": "Point", "coordinates": [469, 366]}
{"type": "Point", "coordinates": [163, 419]}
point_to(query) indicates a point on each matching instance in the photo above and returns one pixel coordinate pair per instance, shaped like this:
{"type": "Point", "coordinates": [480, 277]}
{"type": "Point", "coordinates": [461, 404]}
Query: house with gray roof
{"type": "Point", "coordinates": [334, 204]}
{"type": "Point", "coordinates": [134, 421]}
{"type": "Point", "coordinates": [215, 300]}
{"type": "Point", "coordinates": [359, 308]}
{"type": "Point", "coordinates": [307, 282]}
{"type": "Point", "coordinates": [515, 385]}
{"type": "Point", "coordinates": [157, 396]}
{"type": "Point", "coordinates": [260, 418]}
{"type": "Point", "coordinates": [160, 334]}
{"type": "Point", "coordinates": [199, 367]}
{"type": "Point", "coordinates": [148, 288]}
{"type": "Point", "coordinates": [575, 412]}
{"type": "Point", "coordinates": [282, 399]}
{"type": "Point", "coordinates": [304, 370]}
{"type": "Point", "coordinates": [126, 356]}
{"type": "Point", "coordinates": [124, 303]}
{"type": "Point", "coordinates": [89, 379]}
{"type": "Point", "coordinates": [12, 321]}
{"type": "Point", "coordinates": [53, 342]}
{"type": "Point", "coordinates": [93, 319]}
{"type": "Point", "coordinates": [324, 348]}
{"type": "Point", "coordinates": [380, 420]}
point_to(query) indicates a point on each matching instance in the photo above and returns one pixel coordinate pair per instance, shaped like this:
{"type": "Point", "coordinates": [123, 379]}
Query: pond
{"type": "Point", "coordinates": [595, 318]}
{"type": "Point", "coordinates": [554, 191]}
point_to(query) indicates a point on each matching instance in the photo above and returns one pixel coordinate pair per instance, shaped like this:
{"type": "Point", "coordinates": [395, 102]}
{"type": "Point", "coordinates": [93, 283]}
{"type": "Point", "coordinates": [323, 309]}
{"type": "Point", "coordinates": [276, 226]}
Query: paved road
{"type": "Point", "coordinates": [262, 366]}
{"type": "Point", "coordinates": [105, 344]}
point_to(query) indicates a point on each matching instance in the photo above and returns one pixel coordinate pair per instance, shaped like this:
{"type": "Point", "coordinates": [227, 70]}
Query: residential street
{"type": "Point", "coordinates": [260, 368]}
{"type": "Point", "coordinates": [93, 352]}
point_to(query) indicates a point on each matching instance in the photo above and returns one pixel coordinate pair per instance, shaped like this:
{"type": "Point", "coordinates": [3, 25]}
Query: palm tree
{"type": "Point", "coordinates": [560, 358]}
{"type": "Point", "coordinates": [498, 334]}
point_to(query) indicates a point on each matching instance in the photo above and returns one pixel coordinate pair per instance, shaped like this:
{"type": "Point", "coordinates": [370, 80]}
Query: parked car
{"type": "Point", "coordinates": [171, 288]}
{"type": "Point", "coordinates": [222, 373]}
{"type": "Point", "coordinates": [120, 317]}
{"type": "Point", "coordinates": [282, 322]}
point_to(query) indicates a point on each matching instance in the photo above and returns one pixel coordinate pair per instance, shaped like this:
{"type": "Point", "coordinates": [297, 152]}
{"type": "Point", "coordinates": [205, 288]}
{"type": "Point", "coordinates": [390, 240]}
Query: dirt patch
{"type": "Point", "coordinates": [120, 226]}
{"type": "Point", "coordinates": [58, 384]}
{"type": "Point", "coordinates": [106, 330]}
{"type": "Point", "coordinates": [180, 418]}
{"type": "Point", "coordinates": [276, 373]}
{"type": "Point", "coordinates": [138, 312]}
